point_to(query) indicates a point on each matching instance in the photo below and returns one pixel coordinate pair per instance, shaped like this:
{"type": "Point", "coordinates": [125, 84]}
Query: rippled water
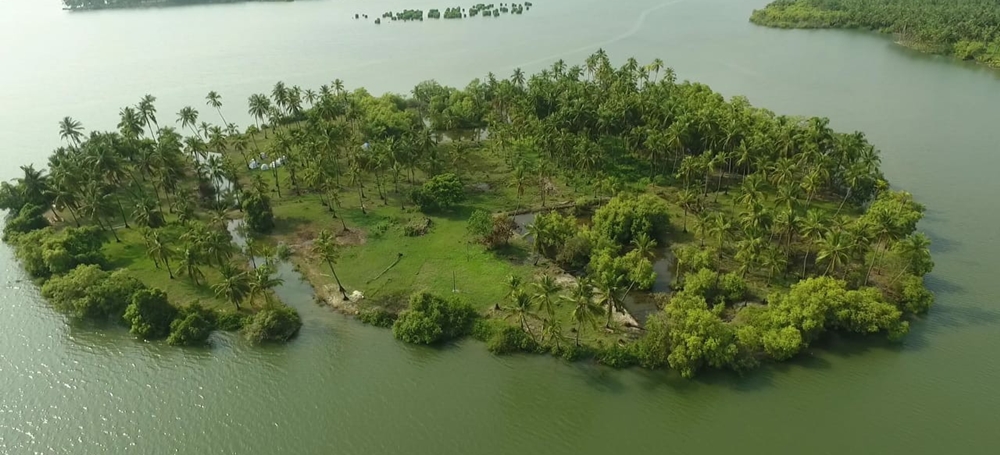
{"type": "Point", "coordinates": [346, 388]}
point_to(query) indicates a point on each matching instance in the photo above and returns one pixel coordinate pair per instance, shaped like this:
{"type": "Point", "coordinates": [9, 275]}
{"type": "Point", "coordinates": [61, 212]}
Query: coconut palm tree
{"type": "Point", "coordinates": [159, 250]}
{"type": "Point", "coordinates": [610, 287]}
{"type": "Point", "coordinates": [146, 212]}
{"type": "Point", "coordinates": [191, 262]}
{"type": "Point", "coordinates": [585, 311]}
{"type": "Point", "coordinates": [645, 245]}
{"type": "Point", "coordinates": [521, 309]}
{"type": "Point", "coordinates": [687, 200]}
{"type": "Point", "coordinates": [552, 331]}
{"type": "Point", "coordinates": [214, 100]}
{"type": "Point", "coordinates": [513, 284]}
{"type": "Point", "coordinates": [546, 288]}
{"type": "Point", "coordinates": [188, 118]}
{"type": "Point", "coordinates": [258, 107]}
{"type": "Point", "coordinates": [518, 78]}
{"type": "Point", "coordinates": [720, 228]}
{"type": "Point", "coordinates": [147, 110]}
{"type": "Point", "coordinates": [262, 282]}
{"type": "Point", "coordinates": [235, 284]}
{"type": "Point", "coordinates": [811, 229]}
{"type": "Point", "coordinates": [70, 130]}
{"type": "Point", "coordinates": [325, 247]}
{"type": "Point", "coordinates": [834, 249]}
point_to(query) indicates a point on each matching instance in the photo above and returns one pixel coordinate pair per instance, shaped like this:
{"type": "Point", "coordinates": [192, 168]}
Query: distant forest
{"type": "Point", "coordinates": [967, 29]}
{"type": "Point", "coordinates": [105, 4]}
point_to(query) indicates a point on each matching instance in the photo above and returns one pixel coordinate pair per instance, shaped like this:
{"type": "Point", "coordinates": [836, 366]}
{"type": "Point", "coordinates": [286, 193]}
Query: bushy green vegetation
{"type": "Point", "coordinates": [966, 29]}
{"type": "Point", "coordinates": [150, 314]}
{"type": "Point", "coordinates": [136, 215]}
{"type": "Point", "coordinates": [273, 323]}
{"type": "Point", "coordinates": [192, 326]}
{"type": "Point", "coordinates": [440, 192]}
{"type": "Point", "coordinates": [431, 319]}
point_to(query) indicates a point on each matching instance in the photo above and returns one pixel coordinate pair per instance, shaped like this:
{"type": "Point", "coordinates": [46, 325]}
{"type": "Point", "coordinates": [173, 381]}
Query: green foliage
{"type": "Point", "coordinates": [230, 322]}
{"type": "Point", "coordinates": [690, 257]}
{"type": "Point", "coordinates": [502, 338]}
{"type": "Point", "coordinates": [617, 355]}
{"type": "Point", "coordinates": [45, 252]}
{"type": "Point", "coordinates": [966, 29]}
{"type": "Point", "coordinates": [574, 255]}
{"type": "Point", "coordinates": [29, 218]}
{"type": "Point", "coordinates": [550, 231]}
{"type": "Point", "coordinates": [480, 224]}
{"type": "Point", "coordinates": [624, 218]}
{"type": "Point", "coordinates": [727, 288]}
{"type": "Point", "coordinates": [697, 336]}
{"type": "Point", "coordinates": [378, 317]}
{"type": "Point", "coordinates": [431, 319]}
{"type": "Point", "coordinates": [89, 292]}
{"type": "Point", "coordinates": [629, 270]}
{"type": "Point", "coordinates": [192, 326]}
{"type": "Point", "coordinates": [150, 314]}
{"type": "Point", "coordinates": [914, 296]}
{"type": "Point", "coordinates": [653, 348]}
{"type": "Point", "coordinates": [417, 227]}
{"type": "Point", "coordinates": [273, 323]}
{"type": "Point", "coordinates": [441, 192]}
{"type": "Point", "coordinates": [258, 214]}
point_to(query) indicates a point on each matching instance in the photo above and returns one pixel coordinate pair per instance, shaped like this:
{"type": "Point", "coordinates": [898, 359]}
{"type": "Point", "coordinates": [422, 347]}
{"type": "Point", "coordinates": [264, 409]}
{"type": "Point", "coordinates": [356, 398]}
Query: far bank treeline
{"type": "Point", "coordinates": [966, 29]}
{"type": "Point", "coordinates": [114, 4]}
{"type": "Point", "coordinates": [457, 12]}
{"type": "Point", "coordinates": [123, 218]}
{"type": "Point", "coordinates": [785, 232]}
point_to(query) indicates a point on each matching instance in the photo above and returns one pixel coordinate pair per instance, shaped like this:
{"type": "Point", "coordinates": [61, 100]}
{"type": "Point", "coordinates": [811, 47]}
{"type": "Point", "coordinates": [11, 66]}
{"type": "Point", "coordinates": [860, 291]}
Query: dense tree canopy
{"type": "Point", "coordinates": [967, 29]}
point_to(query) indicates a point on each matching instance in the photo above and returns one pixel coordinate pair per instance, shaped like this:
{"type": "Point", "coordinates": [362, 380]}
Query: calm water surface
{"type": "Point", "coordinates": [345, 388]}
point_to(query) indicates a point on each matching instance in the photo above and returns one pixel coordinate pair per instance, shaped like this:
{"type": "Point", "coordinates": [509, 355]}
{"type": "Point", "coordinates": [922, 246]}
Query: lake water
{"type": "Point", "coordinates": [345, 388]}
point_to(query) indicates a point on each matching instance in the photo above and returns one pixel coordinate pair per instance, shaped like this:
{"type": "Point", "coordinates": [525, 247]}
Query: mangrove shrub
{"type": "Point", "coordinates": [431, 319]}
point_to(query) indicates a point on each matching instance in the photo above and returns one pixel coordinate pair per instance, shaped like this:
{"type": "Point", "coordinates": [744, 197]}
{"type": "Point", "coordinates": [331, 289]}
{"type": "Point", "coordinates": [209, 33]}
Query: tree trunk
{"type": "Point", "coordinates": [122, 211]}
{"type": "Point", "coordinates": [166, 263]}
{"type": "Point", "coordinates": [339, 286]}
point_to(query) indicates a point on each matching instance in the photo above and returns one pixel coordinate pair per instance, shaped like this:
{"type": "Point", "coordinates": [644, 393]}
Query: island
{"type": "Point", "coordinates": [965, 29]}
{"type": "Point", "coordinates": [588, 211]}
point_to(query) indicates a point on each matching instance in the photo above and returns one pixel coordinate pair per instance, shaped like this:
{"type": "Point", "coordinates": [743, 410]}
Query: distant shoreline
{"type": "Point", "coordinates": [83, 5]}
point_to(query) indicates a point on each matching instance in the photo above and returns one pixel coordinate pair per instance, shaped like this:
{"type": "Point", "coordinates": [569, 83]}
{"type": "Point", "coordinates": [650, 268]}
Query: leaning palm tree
{"type": "Point", "coordinates": [70, 130]}
{"type": "Point", "coordinates": [325, 247]}
{"type": "Point", "coordinates": [215, 100]}
{"type": "Point", "coordinates": [235, 285]}
{"type": "Point", "coordinates": [159, 250]}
